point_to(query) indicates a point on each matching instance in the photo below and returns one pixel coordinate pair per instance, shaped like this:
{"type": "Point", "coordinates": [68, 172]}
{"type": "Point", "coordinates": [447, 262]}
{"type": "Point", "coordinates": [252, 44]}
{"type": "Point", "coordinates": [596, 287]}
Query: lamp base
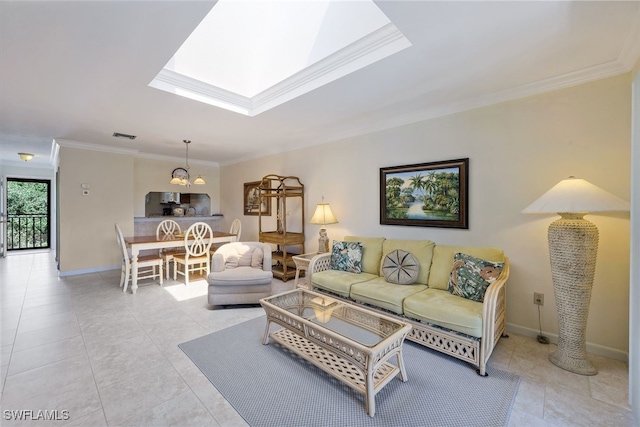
{"type": "Point", "coordinates": [573, 248]}
{"type": "Point", "coordinates": [577, 365]}
{"type": "Point", "coordinates": [323, 241]}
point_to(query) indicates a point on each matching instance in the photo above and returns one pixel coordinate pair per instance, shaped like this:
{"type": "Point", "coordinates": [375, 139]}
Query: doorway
{"type": "Point", "coordinates": [28, 220]}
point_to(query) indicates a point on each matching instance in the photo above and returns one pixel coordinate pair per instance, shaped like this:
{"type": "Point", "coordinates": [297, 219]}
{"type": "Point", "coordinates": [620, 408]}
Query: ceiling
{"type": "Point", "coordinates": [79, 71]}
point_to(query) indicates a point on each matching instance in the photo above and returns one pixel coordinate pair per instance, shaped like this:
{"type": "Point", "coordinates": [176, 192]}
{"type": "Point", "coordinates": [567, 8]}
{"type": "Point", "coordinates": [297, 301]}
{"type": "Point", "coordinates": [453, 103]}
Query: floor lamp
{"type": "Point", "coordinates": [323, 216]}
{"type": "Point", "coordinates": [573, 248]}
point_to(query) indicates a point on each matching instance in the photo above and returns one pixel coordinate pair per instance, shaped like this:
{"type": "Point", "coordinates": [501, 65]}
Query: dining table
{"type": "Point", "coordinates": [141, 243]}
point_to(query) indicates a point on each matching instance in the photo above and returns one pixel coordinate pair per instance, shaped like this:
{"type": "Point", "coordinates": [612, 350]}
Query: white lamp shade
{"type": "Point", "coordinates": [323, 215]}
{"type": "Point", "coordinates": [199, 180]}
{"type": "Point", "coordinates": [576, 195]}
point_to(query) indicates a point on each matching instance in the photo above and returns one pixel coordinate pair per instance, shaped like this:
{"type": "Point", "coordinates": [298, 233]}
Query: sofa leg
{"type": "Point", "coordinates": [482, 374]}
{"type": "Point", "coordinates": [504, 336]}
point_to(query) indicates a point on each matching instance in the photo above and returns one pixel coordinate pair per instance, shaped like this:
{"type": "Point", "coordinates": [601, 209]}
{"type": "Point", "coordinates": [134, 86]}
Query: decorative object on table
{"type": "Point", "coordinates": [251, 200]}
{"type": "Point", "coordinates": [180, 176]}
{"type": "Point", "coordinates": [25, 156]}
{"type": "Point", "coordinates": [323, 216]}
{"type": "Point", "coordinates": [573, 248]}
{"type": "Point", "coordinates": [428, 194]}
{"type": "Point", "coordinates": [288, 236]}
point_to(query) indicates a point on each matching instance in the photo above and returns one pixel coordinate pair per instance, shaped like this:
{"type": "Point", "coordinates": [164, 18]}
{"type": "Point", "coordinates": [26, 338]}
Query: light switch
{"type": "Point", "coordinates": [85, 192]}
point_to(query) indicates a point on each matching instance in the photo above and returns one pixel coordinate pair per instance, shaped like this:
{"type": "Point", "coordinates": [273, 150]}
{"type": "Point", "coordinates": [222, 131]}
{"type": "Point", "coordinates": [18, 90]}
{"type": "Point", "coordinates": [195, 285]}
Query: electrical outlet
{"type": "Point", "coordinates": [538, 298]}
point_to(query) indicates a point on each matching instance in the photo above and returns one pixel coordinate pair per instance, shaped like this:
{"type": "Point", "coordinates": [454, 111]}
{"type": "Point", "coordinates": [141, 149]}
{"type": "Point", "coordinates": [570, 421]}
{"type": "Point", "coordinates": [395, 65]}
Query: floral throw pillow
{"type": "Point", "coordinates": [400, 267]}
{"type": "Point", "coordinates": [346, 256]}
{"type": "Point", "coordinates": [470, 276]}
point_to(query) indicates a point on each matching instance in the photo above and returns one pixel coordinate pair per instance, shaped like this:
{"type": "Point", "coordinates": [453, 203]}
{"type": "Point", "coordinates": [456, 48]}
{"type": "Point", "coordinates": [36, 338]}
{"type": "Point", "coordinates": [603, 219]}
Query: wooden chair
{"type": "Point", "coordinates": [236, 228]}
{"type": "Point", "coordinates": [151, 265]}
{"type": "Point", "coordinates": [197, 241]}
{"type": "Point", "coordinates": [168, 228]}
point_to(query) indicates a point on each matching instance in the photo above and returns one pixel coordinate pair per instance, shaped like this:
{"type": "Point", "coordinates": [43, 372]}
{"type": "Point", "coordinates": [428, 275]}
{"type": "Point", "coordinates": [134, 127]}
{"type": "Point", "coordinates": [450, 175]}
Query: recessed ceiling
{"type": "Point", "coordinates": [78, 71]}
{"type": "Point", "coordinates": [252, 56]}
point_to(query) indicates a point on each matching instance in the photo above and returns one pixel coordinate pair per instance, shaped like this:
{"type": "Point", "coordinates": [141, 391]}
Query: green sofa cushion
{"type": "Point", "coordinates": [443, 262]}
{"type": "Point", "coordinates": [337, 281]}
{"type": "Point", "coordinates": [371, 252]}
{"type": "Point", "coordinates": [380, 293]}
{"type": "Point", "coordinates": [446, 310]}
{"type": "Point", "coordinates": [421, 249]}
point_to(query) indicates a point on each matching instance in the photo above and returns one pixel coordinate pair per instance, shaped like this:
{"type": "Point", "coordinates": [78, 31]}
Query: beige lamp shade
{"type": "Point", "coordinates": [199, 180]}
{"type": "Point", "coordinates": [25, 156]}
{"type": "Point", "coordinates": [323, 215]}
{"type": "Point", "coordinates": [576, 195]}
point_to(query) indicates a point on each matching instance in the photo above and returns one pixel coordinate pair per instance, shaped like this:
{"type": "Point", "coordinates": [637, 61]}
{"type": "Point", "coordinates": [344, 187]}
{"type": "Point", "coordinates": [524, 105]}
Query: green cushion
{"type": "Point", "coordinates": [446, 310]}
{"type": "Point", "coordinates": [380, 293]}
{"type": "Point", "coordinates": [443, 261]}
{"type": "Point", "coordinates": [339, 282]}
{"type": "Point", "coordinates": [470, 276]}
{"type": "Point", "coordinates": [421, 249]}
{"type": "Point", "coordinates": [371, 252]}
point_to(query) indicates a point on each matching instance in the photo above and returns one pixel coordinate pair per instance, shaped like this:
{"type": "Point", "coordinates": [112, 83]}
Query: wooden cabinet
{"type": "Point", "coordinates": [287, 234]}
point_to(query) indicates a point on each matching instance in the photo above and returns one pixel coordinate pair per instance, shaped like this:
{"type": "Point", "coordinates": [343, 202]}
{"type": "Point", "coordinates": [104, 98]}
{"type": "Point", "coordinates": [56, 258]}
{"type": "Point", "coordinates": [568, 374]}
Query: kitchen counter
{"type": "Point", "coordinates": [143, 226]}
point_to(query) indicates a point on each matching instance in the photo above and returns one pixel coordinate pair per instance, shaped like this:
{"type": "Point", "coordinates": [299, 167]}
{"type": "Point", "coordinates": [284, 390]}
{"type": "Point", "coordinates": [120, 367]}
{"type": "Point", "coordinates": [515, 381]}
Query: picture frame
{"type": "Point", "coordinates": [250, 200]}
{"type": "Point", "coordinates": [433, 194]}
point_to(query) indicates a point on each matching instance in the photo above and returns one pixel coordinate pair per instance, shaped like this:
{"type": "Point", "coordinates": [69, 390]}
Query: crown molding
{"type": "Point", "coordinates": [129, 152]}
{"type": "Point", "coordinates": [377, 45]}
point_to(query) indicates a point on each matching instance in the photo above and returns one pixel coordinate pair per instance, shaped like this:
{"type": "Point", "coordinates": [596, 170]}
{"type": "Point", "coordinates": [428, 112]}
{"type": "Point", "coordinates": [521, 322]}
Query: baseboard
{"type": "Point", "coordinates": [595, 349]}
{"type": "Point", "coordinates": [87, 271]}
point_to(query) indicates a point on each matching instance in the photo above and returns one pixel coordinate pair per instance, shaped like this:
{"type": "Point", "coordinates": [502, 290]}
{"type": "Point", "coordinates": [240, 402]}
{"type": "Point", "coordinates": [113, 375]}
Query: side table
{"type": "Point", "coordinates": [302, 264]}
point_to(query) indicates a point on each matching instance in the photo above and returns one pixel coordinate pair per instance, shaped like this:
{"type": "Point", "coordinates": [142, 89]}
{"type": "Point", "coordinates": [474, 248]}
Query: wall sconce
{"type": "Point", "coordinates": [323, 216]}
{"type": "Point", "coordinates": [26, 156]}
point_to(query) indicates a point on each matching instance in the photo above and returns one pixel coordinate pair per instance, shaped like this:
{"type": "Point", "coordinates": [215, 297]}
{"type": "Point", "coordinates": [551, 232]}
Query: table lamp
{"type": "Point", "coordinates": [323, 216]}
{"type": "Point", "coordinates": [573, 248]}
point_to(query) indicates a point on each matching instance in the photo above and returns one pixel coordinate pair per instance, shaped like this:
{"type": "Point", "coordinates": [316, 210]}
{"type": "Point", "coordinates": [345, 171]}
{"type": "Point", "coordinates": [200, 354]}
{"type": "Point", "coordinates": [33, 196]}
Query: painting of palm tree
{"type": "Point", "coordinates": [428, 194]}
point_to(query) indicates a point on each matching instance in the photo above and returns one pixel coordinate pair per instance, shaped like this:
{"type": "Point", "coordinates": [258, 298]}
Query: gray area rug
{"type": "Point", "coordinates": [272, 387]}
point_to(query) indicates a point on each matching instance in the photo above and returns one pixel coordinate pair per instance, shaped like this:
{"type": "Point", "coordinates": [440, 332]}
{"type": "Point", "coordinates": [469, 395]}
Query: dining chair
{"type": "Point", "coordinates": [168, 228]}
{"type": "Point", "coordinates": [236, 228]}
{"type": "Point", "coordinates": [151, 265]}
{"type": "Point", "coordinates": [197, 241]}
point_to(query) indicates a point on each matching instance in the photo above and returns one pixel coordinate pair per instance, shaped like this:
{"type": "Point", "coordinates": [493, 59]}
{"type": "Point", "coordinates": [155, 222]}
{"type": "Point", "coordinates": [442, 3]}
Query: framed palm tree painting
{"type": "Point", "coordinates": [427, 195]}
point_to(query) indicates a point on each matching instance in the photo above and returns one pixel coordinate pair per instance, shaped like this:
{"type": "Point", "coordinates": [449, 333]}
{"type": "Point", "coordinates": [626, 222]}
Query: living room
{"type": "Point", "coordinates": [517, 150]}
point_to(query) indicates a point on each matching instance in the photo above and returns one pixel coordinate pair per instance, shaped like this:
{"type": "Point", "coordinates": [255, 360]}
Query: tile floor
{"type": "Point", "coordinates": [78, 344]}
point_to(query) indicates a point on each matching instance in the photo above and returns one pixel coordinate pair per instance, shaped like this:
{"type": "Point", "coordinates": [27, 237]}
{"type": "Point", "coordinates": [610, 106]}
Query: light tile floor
{"type": "Point", "coordinates": [79, 344]}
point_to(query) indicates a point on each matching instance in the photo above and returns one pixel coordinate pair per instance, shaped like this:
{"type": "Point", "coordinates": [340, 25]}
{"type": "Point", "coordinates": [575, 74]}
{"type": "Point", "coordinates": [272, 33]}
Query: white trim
{"type": "Point", "coordinates": [129, 152]}
{"type": "Point", "coordinates": [594, 349]}
{"type": "Point", "coordinates": [378, 45]}
{"type": "Point", "coordinates": [87, 271]}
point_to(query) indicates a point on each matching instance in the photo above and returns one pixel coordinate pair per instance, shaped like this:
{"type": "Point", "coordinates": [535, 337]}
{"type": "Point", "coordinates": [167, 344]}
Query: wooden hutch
{"type": "Point", "coordinates": [283, 189]}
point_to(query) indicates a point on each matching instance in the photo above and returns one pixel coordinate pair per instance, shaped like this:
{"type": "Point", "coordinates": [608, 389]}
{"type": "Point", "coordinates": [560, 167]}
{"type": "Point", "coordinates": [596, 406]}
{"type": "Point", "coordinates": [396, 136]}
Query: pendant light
{"type": "Point", "coordinates": [180, 176]}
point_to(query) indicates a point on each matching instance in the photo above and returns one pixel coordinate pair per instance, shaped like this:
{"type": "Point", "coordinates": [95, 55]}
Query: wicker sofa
{"type": "Point", "coordinates": [451, 324]}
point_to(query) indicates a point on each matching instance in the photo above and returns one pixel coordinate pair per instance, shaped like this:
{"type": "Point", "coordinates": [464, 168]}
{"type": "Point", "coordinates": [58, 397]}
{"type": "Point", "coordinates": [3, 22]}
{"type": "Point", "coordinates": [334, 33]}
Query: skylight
{"type": "Point", "coordinates": [250, 56]}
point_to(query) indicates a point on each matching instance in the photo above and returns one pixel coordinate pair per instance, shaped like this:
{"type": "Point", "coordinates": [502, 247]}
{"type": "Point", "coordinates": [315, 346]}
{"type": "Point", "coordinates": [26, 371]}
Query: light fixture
{"type": "Point", "coordinates": [26, 156]}
{"type": "Point", "coordinates": [180, 176]}
{"type": "Point", "coordinates": [323, 216]}
{"type": "Point", "coordinates": [573, 249]}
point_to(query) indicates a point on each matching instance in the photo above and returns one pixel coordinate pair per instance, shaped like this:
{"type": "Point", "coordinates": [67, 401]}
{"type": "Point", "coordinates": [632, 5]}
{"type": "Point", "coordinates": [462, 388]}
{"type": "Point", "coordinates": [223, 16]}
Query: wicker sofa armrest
{"type": "Point", "coordinates": [317, 264]}
{"type": "Point", "coordinates": [494, 312]}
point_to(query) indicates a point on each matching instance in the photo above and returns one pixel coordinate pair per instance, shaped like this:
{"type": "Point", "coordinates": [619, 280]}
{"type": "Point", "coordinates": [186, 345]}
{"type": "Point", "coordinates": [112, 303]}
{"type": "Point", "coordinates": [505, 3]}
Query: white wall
{"type": "Point", "coordinates": [634, 320]}
{"type": "Point", "coordinates": [154, 175]}
{"type": "Point", "coordinates": [119, 183]}
{"type": "Point", "coordinates": [517, 151]}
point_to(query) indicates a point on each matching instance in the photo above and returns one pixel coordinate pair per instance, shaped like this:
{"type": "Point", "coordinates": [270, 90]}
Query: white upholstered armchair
{"type": "Point", "coordinates": [240, 273]}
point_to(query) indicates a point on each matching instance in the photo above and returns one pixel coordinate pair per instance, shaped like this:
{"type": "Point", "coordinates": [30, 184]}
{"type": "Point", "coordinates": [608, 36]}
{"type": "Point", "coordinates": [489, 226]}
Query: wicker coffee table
{"type": "Point", "coordinates": [353, 344]}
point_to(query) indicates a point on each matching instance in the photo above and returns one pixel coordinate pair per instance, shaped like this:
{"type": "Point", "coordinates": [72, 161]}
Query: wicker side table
{"type": "Point", "coordinates": [302, 264]}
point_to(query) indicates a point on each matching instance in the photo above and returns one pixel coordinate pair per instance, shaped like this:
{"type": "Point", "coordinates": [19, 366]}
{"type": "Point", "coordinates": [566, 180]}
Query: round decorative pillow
{"type": "Point", "coordinates": [400, 267]}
